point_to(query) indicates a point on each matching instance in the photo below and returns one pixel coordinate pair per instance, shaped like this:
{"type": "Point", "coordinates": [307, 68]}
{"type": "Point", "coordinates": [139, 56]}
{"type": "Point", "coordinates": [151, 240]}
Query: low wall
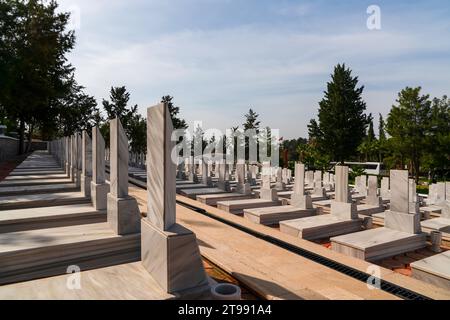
{"type": "Point", "coordinates": [9, 147]}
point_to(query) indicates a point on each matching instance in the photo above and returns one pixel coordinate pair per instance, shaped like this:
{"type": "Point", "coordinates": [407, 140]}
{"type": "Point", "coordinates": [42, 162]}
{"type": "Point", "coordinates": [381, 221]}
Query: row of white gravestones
{"type": "Point", "coordinates": [84, 161]}
{"type": "Point", "coordinates": [169, 251]}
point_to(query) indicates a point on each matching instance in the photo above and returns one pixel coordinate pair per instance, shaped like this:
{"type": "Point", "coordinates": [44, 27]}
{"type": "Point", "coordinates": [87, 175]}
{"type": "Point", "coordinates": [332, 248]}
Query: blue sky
{"type": "Point", "coordinates": [220, 57]}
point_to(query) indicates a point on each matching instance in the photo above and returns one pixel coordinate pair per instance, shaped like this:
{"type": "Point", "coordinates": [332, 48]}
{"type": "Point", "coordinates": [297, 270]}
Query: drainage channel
{"type": "Point", "coordinates": [386, 286]}
{"type": "Point", "coordinates": [356, 274]}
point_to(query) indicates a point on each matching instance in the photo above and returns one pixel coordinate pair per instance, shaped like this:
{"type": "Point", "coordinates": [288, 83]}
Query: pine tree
{"type": "Point", "coordinates": [342, 122]}
{"type": "Point", "coordinates": [177, 122]}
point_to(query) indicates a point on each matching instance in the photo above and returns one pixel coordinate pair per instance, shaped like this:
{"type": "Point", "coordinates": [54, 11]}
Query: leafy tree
{"type": "Point", "coordinates": [342, 121]}
{"type": "Point", "coordinates": [117, 107]}
{"type": "Point", "coordinates": [34, 72]}
{"type": "Point", "coordinates": [382, 150]}
{"type": "Point", "coordinates": [408, 124]}
{"type": "Point", "coordinates": [138, 134]}
{"type": "Point", "coordinates": [178, 123]}
{"type": "Point", "coordinates": [76, 112]}
{"type": "Point", "coordinates": [437, 160]}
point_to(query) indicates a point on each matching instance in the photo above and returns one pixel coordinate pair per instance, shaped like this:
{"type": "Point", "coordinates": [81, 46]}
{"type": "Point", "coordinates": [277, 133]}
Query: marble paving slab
{"type": "Point", "coordinates": [434, 269]}
{"type": "Point", "coordinates": [35, 177]}
{"type": "Point", "coordinates": [37, 189]}
{"type": "Point", "coordinates": [32, 254]}
{"type": "Point", "coordinates": [193, 193]}
{"type": "Point", "coordinates": [131, 282]}
{"type": "Point", "coordinates": [41, 200]}
{"type": "Point", "coordinates": [49, 217]}
{"type": "Point", "coordinates": [436, 224]}
{"type": "Point", "coordinates": [212, 199]}
{"type": "Point", "coordinates": [41, 182]}
{"type": "Point", "coordinates": [273, 215]}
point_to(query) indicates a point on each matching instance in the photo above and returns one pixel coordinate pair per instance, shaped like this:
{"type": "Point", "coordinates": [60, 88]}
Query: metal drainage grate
{"type": "Point", "coordinates": [356, 274]}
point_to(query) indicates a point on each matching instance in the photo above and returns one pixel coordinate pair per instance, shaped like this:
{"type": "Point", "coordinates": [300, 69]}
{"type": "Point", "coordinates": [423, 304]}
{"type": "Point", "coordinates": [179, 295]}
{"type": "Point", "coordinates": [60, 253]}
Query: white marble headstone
{"type": "Point", "coordinates": [118, 160]}
{"type": "Point", "coordinates": [161, 179]}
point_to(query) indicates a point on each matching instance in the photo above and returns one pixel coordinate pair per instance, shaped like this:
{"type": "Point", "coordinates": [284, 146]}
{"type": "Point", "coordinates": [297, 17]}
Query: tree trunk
{"type": "Point", "coordinates": [21, 136]}
{"type": "Point", "coordinates": [30, 137]}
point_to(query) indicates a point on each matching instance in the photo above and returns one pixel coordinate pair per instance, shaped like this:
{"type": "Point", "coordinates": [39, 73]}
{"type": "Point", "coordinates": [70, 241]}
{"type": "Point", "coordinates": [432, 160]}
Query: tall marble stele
{"type": "Point", "coordinates": [99, 187]}
{"type": "Point", "coordinates": [267, 192]}
{"type": "Point", "coordinates": [242, 186]}
{"type": "Point", "coordinates": [298, 198]}
{"type": "Point", "coordinates": [86, 164]}
{"type": "Point", "coordinates": [342, 206]}
{"type": "Point", "coordinates": [170, 252]}
{"type": "Point", "coordinates": [399, 217]}
{"type": "Point", "coordinates": [123, 211]}
{"type": "Point", "coordinates": [68, 155]}
{"type": "Point", "coordinates": [224, 183]}
{"type": "Point", "coordinates": [372, 192]}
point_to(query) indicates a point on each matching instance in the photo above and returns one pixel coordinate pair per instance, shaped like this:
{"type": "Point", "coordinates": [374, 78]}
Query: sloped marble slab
{"type": "Point", "coordinates": [273, 215]}
{"type": "Point", "coordinates": [238, 206]}
{"type": "Point", "coordinates": [320, 227]}
{"type": "Point", "coordinates": [34, 254]}
{"type": "Point", "coordinates": [377, 243]}
{"type": "Point", "coordinates": [41, 200]}
{"type": "Point", "coordinates": [434, 270]}
{"type": "Point", "coordinates": [49, 217]}
{"type": "Point", "coordinates": [213, 199]}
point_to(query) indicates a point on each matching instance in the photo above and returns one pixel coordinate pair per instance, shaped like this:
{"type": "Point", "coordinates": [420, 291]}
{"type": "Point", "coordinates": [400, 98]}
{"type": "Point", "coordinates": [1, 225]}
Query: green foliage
{"type": "Point", "coordinates": [134, 125]}
{"type": "Point", "coordinates": [342, 121]}
{"type": "Point", "coordinates": [251, 120]}
{"type": "Point", "coordinates": [34, 72]}
{"type": "Point", "coordinates": [174, 111]}
{"type": "Point", "coordinates": [356, 171]}
{"type": "Point", "coordinates": [408, 124]}
{"type": "Point", "coordinates": [312, 157]}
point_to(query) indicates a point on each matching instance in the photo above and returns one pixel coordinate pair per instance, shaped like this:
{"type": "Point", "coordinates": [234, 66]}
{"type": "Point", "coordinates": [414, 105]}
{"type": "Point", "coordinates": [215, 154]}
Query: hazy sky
{"type": "Point", "coordinates": [220, 57]}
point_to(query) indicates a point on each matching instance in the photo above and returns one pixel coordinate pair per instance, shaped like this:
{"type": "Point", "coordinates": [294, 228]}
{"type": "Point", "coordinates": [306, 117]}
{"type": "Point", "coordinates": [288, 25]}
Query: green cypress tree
{"type": "Point", "coordinates": [342, 122]}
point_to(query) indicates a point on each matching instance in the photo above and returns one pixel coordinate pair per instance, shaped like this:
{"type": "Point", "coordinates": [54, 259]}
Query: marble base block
{"type": "Point", "coordinates": [405, 222]}
{"type": "Point", "coordinates": [344, 210]}
{"type": "Point", "coordinates": [86, 186]}
{"type": "Point", "coordinates": [268, 194]}
{"type": "Point", "coordinates": [225, 186]}
{"type": "Point", "coordinates": [123, 215]}
{"type": "Point", "coordinates": [98, 195]}
{"type": "Point", "coordinates": [244, 189]}
{"type": "Point", "coordinates": [280, 186]}
{"type": "Point", "coordinates": [301, 201]}
{"type": "Point", "coordinates": [173, 258]}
